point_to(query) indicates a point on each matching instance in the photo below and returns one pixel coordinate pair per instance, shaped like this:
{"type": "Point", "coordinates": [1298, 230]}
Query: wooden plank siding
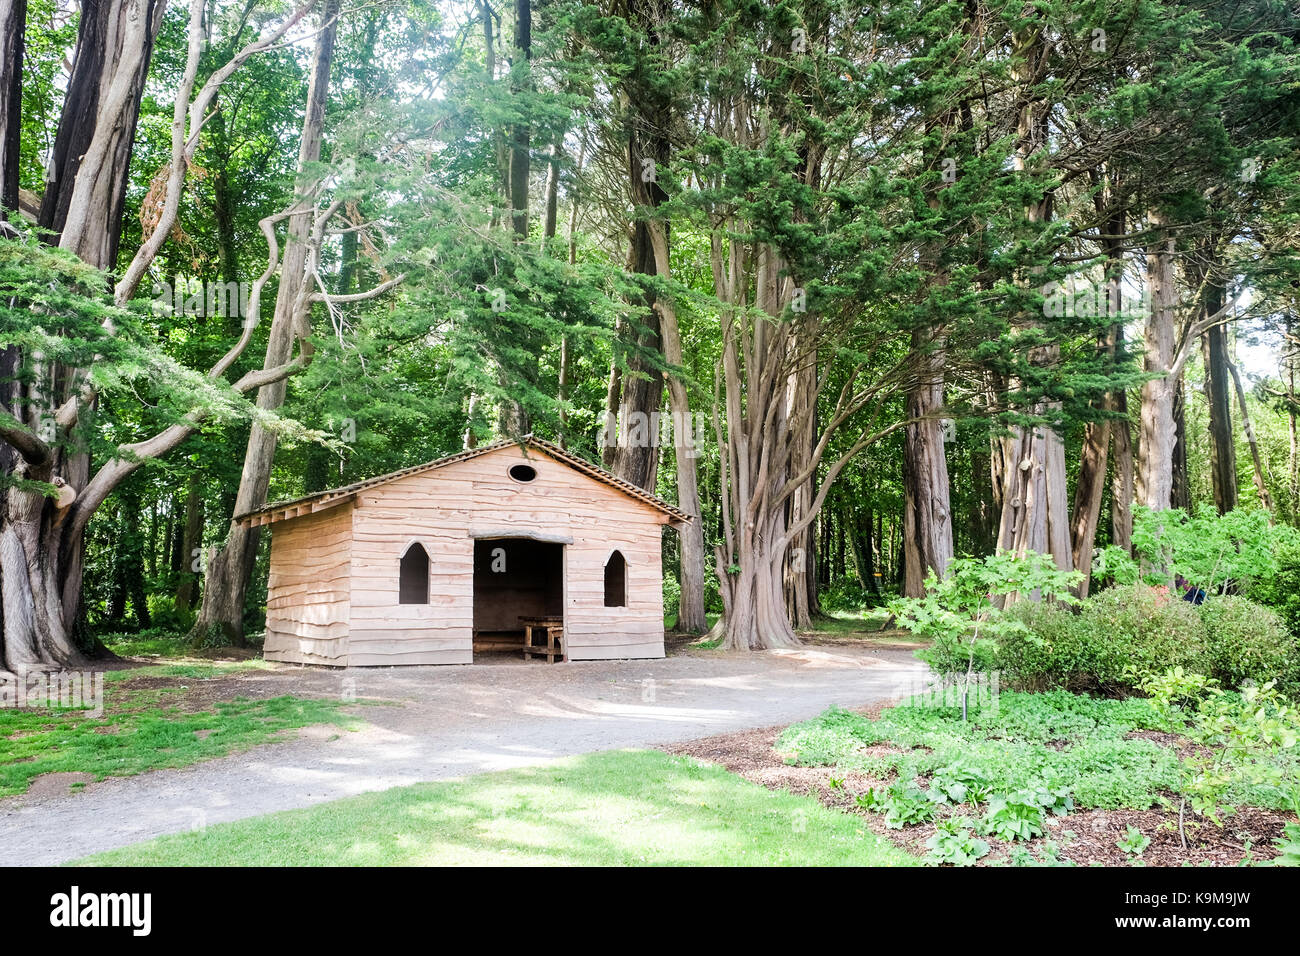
{"type": "Point", "coordinates": [309, 588]}
{"type": "Point", "coordinates": [446, 510]}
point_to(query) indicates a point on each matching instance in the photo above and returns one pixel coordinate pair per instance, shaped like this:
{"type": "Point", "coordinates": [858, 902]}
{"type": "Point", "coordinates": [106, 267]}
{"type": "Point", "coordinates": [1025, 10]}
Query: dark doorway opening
{"type": "Point", "coordinates": [514, 578]}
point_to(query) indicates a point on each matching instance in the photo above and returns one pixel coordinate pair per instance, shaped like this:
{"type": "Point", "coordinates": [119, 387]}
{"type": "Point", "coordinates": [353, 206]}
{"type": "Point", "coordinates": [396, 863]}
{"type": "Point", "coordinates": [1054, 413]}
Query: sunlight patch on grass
{"type": "Point", "coordinates": [615, 808]}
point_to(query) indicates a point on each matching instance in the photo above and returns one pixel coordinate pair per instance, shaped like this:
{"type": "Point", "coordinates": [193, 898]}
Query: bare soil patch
{"type": "Point", "coordinates": [56, 784]}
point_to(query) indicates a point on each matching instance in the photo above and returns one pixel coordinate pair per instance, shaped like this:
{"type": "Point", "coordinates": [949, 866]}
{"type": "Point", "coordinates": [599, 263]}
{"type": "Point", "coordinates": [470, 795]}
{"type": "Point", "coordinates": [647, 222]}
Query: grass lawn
{"type": "Point", "coordinates": [145, 728]}
{"type": "Point", "coordinates": [620, 807]}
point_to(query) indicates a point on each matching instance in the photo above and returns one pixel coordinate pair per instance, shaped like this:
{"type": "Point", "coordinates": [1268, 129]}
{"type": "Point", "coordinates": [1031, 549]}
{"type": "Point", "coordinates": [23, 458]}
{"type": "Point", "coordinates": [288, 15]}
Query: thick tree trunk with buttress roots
{"type": "Point", "coordinates": [40, 556]}
{"type": "Point", "coordinates": [41, 538]}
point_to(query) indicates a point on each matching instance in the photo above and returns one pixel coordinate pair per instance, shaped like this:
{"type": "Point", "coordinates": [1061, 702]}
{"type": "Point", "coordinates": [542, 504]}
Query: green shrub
{"type": "Point", "coordinates": [964, 616]}
{"type": "Point", "coordinates": [1282, 591]}
{"type": "Point", "coordinates": [1241, 547]}
{"type": "Point", "coordinates": [1147, 628]}
{"type": "Point", "coordinates": [672, 597]}
{"type": "Point", "coordinates": [164, 615]}
{"type": "Point", "coordinates": [1247, 641]}
{"type": "Point", "coordinates": [1049, 653]}
{"type": "Point", "coordinates": [1114, 638]}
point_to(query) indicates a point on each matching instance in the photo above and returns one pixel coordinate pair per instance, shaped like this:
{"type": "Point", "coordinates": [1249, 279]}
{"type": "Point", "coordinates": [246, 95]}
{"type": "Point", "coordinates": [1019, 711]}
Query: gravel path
{"type": "Point", "coordinates": [447, 722]}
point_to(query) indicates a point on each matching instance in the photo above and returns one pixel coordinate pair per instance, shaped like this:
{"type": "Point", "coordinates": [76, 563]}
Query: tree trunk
{"type": "Point", "coordinates": [1293, 422]}
{"type": "Point", "coordinates": [690, 615]}
{"type": "Point", "coordinates": [1157, 430]}
{"type": "Point", "coordinates": [1035, 514]}
{"type": "Point", "coordinates": [755, 532]}
{"type": "Point", "coordinates": [1261, 488]}
{"type": "Point", "coordinates": [927, 509]}
{"type": "Point", "coordinates": [1122, 482]}
{"type": "Point", "coordinates": [228, 572]}
{"type": "Point", "coordinates": [41, 544]}
{"type": "Point", "coordinates": [1090, 486]}
{"type": "Point", "coordinates": [513, 416]}
{"type": "Point", "coordinates": [1181, 496]}
{"type": "Point", "coordinates": [521, 135]}
{"type": "Point", "coordinates": [191, 545]}
{"type": "Point", "coordinates": [1088, 490]}
{"type": "Point", "coordinates": [1223, 452]}
{"type": "Point", "coordinates": [863, 551]}
{"type": "Point", "coordinates": [86, 179]}
{"type": "Point", "coordinates": [800, 584]}
{"type": "Point", "coordinates": [13, 27]}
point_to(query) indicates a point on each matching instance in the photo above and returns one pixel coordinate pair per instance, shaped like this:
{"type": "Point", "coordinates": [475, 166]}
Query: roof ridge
{"type": "Point", "coordinates": [554, 450]}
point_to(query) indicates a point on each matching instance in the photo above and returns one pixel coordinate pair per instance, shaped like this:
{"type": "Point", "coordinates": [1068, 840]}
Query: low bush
{"type": "Point", "coordinates": [1107, 645]}
{"type": "Point", "coordinates": [1281, 592]}
{"type": "Point", "coordinates": [1028, 741]}
{"type": "Point", "coordinates": [1122, 634]}
{"type": "Point", "coordinates": [826, 739]}
{"type": "Point", "coordinates": [1248, 642]}
{"type": "Point", "coordinates": [1050, 652]}
{"type": "Point", "coordinates": [1144, 628]}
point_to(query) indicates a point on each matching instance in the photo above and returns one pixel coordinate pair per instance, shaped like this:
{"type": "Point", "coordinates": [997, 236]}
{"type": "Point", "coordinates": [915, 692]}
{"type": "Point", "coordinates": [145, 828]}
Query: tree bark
{"type": "Point", "coordinates": [1181, 497]}
{"type": "Point", "coordinates": [690, 615]}
{"type": "Point", "coordinates": [1122, 481]}
{"type": "Point", "coordinates": [1035, 514]}
{"type": "Point", "coordinates": [1293, 421]}
{"type": "Point", "coordinates": [927, 509]}
{"type": "Point", "coordinates": [1090, 486]}
{"type": "Point", "coordinates": [1157, 431]}
{"type": "Point", "coordinates": [191, 545]}
{"type": "Point", "coordinates": [1223, 452]}
{"type": "Point", "coordinates": [513, 416]}
{"type": "Point", "coordinates": [13, 28]}
{"type": "Point", "coordinates": [1261, 487]}
{"type": "Point", "coordinates": [86, 180]}
{"type": "Point", "coordinates": [229, 570]}
{"type": "Point", "coordinates": [521, 135]}
{"type": "Point", "coordinates": [42, 541]}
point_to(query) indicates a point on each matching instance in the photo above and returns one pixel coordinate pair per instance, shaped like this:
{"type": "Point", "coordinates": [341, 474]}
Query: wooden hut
{"type": "Point", "coordinates": [428, 564]}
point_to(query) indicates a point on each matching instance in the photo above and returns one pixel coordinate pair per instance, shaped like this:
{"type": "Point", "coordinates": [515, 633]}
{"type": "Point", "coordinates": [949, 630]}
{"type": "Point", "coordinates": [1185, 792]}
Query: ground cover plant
{"type": "Point", "coordinates": [1193, 773]}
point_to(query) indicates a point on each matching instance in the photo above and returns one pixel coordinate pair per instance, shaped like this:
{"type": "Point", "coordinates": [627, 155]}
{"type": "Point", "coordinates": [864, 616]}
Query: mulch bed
{"type": "Point", "coordinates": [1084, 837]}
{"type": "Point", "coordinates": [893, 639]}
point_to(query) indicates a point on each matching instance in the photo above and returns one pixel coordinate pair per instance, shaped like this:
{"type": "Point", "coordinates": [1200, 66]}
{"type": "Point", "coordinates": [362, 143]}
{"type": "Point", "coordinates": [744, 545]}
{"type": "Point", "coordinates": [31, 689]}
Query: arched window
{"type": "Point", "coordinates": [413, 579]}
{"type": "Point", "coordinates": [616, 581]}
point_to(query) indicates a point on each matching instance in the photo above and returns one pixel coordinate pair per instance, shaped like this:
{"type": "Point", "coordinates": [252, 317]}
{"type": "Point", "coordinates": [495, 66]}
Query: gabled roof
{"type": "Point", "coordinates": [310, 504]}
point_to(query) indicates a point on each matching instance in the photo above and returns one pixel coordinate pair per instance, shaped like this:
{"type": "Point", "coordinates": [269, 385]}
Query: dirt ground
{"type": "Point", "coordinates": [429, 723]}
{"type": "Point", "coordinates": [1085, 837]}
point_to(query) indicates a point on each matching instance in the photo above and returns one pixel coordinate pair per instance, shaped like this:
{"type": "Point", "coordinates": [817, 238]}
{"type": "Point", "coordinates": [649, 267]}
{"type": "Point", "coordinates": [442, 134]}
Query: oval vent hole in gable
{"type": "Point", "coordinates": [523, 472]}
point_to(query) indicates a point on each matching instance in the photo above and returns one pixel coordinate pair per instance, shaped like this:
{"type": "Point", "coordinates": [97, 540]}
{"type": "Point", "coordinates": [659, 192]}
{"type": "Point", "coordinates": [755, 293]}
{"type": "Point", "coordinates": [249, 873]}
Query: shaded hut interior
{"type": "Point", "coordinates": [514, 578]}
